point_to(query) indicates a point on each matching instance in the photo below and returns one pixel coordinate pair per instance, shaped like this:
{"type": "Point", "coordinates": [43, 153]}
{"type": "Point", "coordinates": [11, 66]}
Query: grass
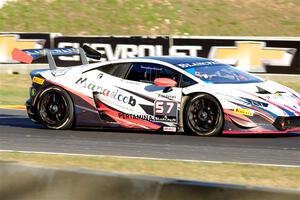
{"type": "Point", "coordinates": [294, 85]}
{"type": "Point", "coordinates": [152, 17]}
{"type": "Point", "coordinates": [227, 173]}
{"type": "Point", "coordinates": [14, 88]}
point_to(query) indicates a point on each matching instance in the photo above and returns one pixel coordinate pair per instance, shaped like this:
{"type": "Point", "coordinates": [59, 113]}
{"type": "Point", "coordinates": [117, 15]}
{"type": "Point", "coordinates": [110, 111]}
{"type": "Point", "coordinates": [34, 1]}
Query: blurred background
{"type": "Point", "coordinates": [153, 17]}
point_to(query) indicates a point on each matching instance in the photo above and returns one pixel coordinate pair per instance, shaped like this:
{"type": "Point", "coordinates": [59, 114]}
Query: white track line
{"type": "Point", "coordinates": [149, 158]}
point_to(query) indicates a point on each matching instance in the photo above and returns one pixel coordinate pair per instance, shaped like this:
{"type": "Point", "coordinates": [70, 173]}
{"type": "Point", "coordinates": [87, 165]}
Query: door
{"type": "Point", "coordinates": [133, 101]}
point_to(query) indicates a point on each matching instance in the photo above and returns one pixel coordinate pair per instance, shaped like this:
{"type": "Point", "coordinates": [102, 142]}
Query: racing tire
{"type": "Point", "coordinates": [55, 109]}
{"type": "Point", "coordinates": [203, 116]}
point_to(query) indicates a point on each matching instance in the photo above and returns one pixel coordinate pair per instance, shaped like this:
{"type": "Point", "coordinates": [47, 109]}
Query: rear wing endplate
{"type": "Point", "coordinates": [28, 55]}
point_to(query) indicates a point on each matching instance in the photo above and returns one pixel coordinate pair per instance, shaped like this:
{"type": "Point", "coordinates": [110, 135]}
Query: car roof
{"type": "Point", "coordinates": [178, 61]}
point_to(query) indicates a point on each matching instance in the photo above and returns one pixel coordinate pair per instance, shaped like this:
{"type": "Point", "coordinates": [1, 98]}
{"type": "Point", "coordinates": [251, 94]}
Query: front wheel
{"type": "Point", "coordinates": [203, 115]}
{"type": "Point", "coordinates": [55, 109]}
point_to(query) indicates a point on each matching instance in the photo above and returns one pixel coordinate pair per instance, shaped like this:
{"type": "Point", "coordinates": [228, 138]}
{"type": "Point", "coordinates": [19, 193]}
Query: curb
{"type": "Point", "coordinates": [13, 107]}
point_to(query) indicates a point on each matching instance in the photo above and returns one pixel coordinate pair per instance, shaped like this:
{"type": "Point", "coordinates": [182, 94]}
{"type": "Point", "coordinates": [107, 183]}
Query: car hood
{"type": "Point", "coordinates": [268, 96]}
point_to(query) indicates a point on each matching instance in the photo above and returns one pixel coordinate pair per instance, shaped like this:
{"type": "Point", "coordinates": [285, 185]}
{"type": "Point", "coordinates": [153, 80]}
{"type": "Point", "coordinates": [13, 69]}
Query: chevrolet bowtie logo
{"type": "Point", "coordinates": [253, 56]}
{"type": "Point", "coordinates": [9, 42]}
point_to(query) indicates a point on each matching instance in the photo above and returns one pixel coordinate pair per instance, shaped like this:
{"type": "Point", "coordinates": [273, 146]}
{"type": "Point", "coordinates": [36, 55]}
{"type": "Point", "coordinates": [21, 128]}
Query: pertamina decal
{"type": "Point", "coordinates": [252, 56]}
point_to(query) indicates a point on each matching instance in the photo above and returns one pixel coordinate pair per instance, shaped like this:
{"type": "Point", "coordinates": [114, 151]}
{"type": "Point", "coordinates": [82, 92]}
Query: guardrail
{"type": "Point", "coordinates": [22, 182]}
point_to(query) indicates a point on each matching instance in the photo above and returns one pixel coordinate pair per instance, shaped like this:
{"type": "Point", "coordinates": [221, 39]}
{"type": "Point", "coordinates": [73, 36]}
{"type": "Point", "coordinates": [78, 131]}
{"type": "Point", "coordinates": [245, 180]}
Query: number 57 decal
{"type": "Point", "coordinates": [165, 110]}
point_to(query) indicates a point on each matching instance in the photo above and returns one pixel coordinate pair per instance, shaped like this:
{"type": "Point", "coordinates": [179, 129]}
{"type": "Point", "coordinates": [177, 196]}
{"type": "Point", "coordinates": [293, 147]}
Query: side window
{"type": "Point", "coordinates": [119, 70]}
{"type": "Point", "coordinates": [147, 72]}
{"type": "Point", "coordinates": [186, 81]}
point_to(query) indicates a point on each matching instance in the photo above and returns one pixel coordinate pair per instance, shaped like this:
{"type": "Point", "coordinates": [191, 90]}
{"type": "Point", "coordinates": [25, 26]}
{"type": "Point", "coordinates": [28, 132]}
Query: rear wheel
{"type": "Point", "coordinates": [203, 115]}
{"type": "Point", "coordinates": [55, 108]}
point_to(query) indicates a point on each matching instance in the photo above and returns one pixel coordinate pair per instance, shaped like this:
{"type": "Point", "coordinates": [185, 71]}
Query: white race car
{"type": "Point", "coordinates": [178, 94]}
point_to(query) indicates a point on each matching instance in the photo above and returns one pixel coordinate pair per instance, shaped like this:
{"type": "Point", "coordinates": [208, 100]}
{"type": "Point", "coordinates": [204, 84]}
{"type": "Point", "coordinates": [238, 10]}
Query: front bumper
{"type": "Point", "coordinates": [281, 125]}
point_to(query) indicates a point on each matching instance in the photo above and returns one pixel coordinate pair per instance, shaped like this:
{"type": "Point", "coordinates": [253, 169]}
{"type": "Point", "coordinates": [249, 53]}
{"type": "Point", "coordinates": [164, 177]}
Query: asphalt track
{"type": "Point", "coordinates": [18, 133]}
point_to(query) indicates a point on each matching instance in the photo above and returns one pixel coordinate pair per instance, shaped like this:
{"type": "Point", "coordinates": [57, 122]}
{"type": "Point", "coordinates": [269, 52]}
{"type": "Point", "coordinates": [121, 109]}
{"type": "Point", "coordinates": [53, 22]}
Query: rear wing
{"type": "Point", "coordinates": [28, 55]}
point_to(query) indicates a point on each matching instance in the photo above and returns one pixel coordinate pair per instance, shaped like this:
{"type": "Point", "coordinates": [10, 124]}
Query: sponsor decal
{"type": "Point", "coordinates": [135, 116]}
{"type": "Point", "coordinates": [131, 82]}
{"type": "Point", "coordinates": [167, 96]}
{"type": "Point", "coordinates": [224, 94]}
{"type": "Point", "coordinates": [59, 72]}
{"type": "Point", "coordinates": [55, 52]}
{"type": "Point", "coordinates": [115, 94]}
{"type": "Point", "coordinates": [165, 111]}
{"type": "Point", "coordinates": [38, 80]}
{"type": "Point", "coordinates": [99, 76]}
{"type": "Point", "coordinates": [198, 64]}
{"type": "Point", "coordinates": [252, 56]}
{"type": "Point", "coordinates": [169, 129]}
{"type": "Point", "coordinates": [278, 94]}
{"type": "Point", "coordinates": [9, 42]}
{"type": "Point", "coordinates": [254, 102]}
{"type": "Point", "coordinates": [243, 111]}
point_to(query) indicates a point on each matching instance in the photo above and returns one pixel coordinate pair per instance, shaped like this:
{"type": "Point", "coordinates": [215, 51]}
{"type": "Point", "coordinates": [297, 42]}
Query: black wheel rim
{"type": "Point", "coordinates": [53, 109]}
{"type": "Point", "coordinates": [204, 115]}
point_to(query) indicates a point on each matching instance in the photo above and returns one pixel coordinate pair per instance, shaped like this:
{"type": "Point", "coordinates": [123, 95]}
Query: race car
{"type": "Point", "coordinates": [173, 94]}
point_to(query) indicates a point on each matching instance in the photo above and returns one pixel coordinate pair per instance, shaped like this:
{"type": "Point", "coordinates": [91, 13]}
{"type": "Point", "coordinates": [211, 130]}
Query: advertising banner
{"type": "Point", "coordinates": [10, 40]}
{"type": "Point", "coordinates": [253, 54]}
{"type": "Point", "coordinates": [113, 48]}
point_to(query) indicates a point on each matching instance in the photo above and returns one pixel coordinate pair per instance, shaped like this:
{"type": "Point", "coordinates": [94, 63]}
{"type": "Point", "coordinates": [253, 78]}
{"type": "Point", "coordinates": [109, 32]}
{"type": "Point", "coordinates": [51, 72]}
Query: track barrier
{"type": "Point", "coordinates": [26, 182]}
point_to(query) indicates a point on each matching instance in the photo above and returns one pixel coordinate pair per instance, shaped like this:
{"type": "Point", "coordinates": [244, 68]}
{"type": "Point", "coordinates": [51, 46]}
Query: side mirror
{"type": "Point", "coordinates": [164, 82]}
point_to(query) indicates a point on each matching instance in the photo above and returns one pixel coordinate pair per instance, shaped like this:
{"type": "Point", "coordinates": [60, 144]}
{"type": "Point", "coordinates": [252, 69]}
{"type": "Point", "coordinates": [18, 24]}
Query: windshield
{"type": "Point", "coordinates": [222, 74]}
